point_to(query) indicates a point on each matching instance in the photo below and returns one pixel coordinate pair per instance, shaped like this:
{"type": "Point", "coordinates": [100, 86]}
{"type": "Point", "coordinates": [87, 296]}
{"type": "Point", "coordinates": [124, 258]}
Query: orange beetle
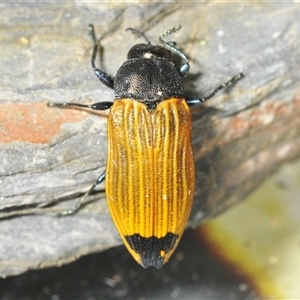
{"type": "Point", "coordinates": [150, 176]}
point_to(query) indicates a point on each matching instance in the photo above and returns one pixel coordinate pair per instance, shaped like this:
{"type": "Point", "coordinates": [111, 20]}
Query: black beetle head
{"type": "Point", "coordinates": [147, 51]}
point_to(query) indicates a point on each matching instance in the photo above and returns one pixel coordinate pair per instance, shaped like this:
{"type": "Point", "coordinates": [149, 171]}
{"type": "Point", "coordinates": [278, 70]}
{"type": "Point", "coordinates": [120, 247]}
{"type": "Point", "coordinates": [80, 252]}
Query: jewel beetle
{"type": "Point", "coordinates": [150, 177]}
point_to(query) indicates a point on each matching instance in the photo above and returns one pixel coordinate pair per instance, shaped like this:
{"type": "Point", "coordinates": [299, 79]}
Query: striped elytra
{"type": "Point", "coordinates": [150, 176]}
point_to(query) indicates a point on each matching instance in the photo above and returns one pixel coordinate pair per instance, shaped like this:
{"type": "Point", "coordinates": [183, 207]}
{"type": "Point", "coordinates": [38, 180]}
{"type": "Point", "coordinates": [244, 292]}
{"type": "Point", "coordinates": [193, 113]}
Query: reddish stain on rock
{"type": "Point", "coordinates": [34, 122]}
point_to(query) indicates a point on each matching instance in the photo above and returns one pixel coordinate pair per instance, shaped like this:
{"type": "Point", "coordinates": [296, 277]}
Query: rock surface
{"type": "Point", "coordinates": [50, 156]}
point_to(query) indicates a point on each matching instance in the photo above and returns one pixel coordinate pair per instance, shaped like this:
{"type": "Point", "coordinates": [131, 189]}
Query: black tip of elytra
{"type": "Point", "coordinates": [152, 250]}
{"type": "Point", "coordinates": [150, 260]}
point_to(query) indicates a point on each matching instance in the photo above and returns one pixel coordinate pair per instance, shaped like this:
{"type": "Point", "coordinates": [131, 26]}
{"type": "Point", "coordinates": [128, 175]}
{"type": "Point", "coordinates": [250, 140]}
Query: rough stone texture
{"type": "Point", "coordinates": [50, 156]}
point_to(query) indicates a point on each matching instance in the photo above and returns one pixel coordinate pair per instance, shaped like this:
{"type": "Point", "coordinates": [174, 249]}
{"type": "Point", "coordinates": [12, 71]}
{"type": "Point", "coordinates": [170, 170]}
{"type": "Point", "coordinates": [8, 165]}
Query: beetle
{"type": "Point", "coordinates": [150, 177]}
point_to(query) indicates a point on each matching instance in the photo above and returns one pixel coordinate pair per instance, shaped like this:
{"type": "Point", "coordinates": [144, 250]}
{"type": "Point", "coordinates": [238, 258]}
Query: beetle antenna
{"type": "Point", "coordinates": [136, 32]}
{"type": "Point", "coordinates": [171, 47]}
{"type": "Point", "coordinates": [170, 31]}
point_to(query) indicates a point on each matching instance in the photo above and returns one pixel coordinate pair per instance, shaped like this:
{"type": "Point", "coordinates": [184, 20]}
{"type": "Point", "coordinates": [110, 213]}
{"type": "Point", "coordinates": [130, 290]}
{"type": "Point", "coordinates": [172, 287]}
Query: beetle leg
{"type": "Point", "coordinates": [194, 102]}
{"type": "Point", "coordinates": [184, 69]}
{"type": "Point", "coordinates": [96, 106]}
{"type": "Point", "coordinates": [73, 210]}
{"type": "Point", "coordinates": [103, 77]}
